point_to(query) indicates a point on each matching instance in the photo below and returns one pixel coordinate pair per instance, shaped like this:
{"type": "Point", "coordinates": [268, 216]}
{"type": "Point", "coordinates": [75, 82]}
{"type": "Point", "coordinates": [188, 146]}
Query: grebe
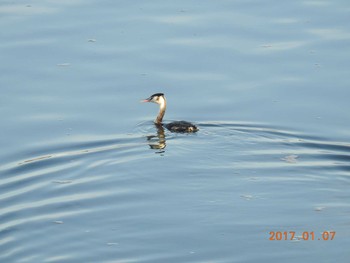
{"type": "Point", "coordinates": [176, 126]}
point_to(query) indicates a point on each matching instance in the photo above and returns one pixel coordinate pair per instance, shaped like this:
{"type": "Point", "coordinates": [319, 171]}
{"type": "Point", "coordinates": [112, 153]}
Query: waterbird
{"type": "Point", "coordinates": [176, 126]}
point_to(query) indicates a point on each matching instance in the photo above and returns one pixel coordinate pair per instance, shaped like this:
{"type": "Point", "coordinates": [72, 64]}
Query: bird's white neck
{"type": "Point", "coordinates": [162, 108]}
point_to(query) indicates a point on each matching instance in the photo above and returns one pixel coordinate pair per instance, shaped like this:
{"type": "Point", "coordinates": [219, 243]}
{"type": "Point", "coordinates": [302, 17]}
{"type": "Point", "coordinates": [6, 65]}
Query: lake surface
{"type": "Point", "coordinates": [85, 176]}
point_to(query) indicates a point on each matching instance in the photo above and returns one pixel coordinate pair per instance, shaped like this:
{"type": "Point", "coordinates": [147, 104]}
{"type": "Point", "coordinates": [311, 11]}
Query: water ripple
{"type": "Point", "coordinates": [113, 190]}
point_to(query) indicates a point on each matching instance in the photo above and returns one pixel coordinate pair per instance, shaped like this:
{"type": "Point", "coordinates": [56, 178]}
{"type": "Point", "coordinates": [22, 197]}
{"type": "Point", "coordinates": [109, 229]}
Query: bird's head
{"type": "Point", "coordinates": [156, 98]}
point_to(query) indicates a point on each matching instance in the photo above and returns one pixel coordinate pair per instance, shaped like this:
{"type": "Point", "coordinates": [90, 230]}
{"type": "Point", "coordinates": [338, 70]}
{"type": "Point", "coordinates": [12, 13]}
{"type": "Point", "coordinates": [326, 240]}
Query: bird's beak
{"type": "Point", "coordinates": [146, 100]}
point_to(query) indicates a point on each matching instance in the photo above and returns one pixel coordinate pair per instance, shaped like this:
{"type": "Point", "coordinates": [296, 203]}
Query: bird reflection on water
{"type": "Point", "coordinates": [157, 142]}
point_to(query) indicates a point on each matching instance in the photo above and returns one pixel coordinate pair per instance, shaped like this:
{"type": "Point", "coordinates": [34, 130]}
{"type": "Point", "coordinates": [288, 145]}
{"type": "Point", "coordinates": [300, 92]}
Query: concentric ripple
{"type": "Point", "coordinates": [105, 199]}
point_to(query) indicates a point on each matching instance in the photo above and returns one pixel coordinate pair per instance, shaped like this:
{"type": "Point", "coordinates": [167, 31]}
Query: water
{"type": "Point", "coordinates": [86, 177]}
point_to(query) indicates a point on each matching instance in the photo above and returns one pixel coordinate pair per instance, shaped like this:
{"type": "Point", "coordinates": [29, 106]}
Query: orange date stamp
{"type": "Point", "coordinates": [306, 235]}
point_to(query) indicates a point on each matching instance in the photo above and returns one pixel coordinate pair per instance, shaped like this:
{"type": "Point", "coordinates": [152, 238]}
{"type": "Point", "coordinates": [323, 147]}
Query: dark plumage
{"type": "Point", "coordinates": [181, 126]}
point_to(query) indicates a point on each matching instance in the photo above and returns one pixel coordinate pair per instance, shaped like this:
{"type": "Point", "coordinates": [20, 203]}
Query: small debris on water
{"type": "Point", "coordinates": [296, 238]}
{"type": "Point", "coordinates": [58, 222]}
{"type": "Point", "coordinates": [62, 181]}
{"type": "Point", "coordinates": [63, 64]}
{"type": "Point", "coordinates": [247, 197]}
{"type": "Point", "coordinates": [93, 40]}
{"type": "Point", "coordinates": [319, 208]}
{"type": "Point", "coordinates": [253, 179]}
{"type": "Point", "coordinates": [35, 159]}
{"type": "Point", "coordinates": [290, 158]}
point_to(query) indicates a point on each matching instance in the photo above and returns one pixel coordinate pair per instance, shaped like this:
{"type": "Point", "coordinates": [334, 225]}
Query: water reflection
{"type": "Point", "coordinates": [238, 167]}
{"type": "Point", "coordinates": [157, 142]}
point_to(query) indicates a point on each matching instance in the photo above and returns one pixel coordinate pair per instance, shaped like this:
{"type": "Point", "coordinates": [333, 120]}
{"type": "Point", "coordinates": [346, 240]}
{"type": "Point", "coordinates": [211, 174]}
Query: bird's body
{"type": "Point", "coordinates": [181, 126]}
{"type": "Point", "coordinates": [176, 126]}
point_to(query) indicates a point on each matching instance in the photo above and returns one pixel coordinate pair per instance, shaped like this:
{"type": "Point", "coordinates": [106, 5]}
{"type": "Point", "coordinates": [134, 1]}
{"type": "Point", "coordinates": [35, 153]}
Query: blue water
{"type": "Point", "coordinates": [85, 176]}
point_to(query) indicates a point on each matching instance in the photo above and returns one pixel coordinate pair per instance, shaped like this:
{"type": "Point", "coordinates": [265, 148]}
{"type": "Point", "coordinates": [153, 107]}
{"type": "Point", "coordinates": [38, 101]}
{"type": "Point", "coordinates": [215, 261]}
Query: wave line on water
{"type": "Point", "coordinates": [42, 217]}
{"type": "Point", "coordinates": [76, 153]}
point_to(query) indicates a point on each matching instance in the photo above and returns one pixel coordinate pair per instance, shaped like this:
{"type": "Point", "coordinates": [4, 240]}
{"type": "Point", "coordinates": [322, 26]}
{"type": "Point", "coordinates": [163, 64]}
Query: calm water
{"type": "Point", "coordinates": [85, 176]}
